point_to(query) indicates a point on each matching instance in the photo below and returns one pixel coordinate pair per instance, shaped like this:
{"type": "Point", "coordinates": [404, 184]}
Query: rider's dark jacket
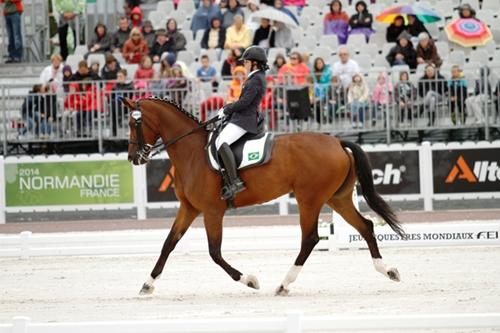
{"type": "Point", "coordinates": [244, 111]}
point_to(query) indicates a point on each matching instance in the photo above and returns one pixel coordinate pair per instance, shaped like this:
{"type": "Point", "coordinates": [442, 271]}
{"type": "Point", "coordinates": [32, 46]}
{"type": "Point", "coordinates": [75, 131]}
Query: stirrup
{"type": "Point", "coordinates": [230, 190]}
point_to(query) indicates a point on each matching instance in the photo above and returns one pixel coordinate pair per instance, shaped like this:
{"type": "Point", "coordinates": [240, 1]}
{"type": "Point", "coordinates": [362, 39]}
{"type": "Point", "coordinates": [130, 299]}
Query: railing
{"type": "Point", "coordinates": [90, 111]}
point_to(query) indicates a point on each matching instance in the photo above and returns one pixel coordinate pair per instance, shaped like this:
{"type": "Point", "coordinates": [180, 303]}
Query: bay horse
{"type": "Point", "coordinates": [317, 168]}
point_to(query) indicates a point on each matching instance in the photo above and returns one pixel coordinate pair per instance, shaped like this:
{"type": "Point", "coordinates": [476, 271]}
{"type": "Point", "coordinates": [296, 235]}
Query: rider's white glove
{"type": "Point", "coordinates": [220, 113]}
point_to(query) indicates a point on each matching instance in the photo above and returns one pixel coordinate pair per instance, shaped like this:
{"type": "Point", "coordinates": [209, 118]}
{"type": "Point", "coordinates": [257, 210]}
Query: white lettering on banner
{"type": "Point", "coordinates": [485, 170]}
{"type": "Point", "coordinates": [99, 193]}
{"type": "Point", "coordinates": [388, 176]}
{"type": "Point", "coordinates": [108, 185]}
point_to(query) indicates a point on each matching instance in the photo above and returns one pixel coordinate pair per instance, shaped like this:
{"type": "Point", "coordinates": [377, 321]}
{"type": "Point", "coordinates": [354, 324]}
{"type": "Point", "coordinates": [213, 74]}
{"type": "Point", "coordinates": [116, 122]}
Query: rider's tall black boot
{"type": "Point", "coordinates": [235, 184]}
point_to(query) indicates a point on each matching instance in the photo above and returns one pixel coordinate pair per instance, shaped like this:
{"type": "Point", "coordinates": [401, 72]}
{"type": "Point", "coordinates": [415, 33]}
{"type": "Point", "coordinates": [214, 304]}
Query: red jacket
{"type": "Point", "coordinates": [136, 49]}
{"type": "Point", "coordinates": [18, 3]}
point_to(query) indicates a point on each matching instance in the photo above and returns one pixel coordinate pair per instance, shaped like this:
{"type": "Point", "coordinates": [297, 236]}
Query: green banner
{"type": "Point", "coordinates": [68, 183]}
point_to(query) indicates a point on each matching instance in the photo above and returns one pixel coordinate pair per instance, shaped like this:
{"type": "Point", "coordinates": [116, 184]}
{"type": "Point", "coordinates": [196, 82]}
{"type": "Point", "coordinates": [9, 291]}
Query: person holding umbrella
{"type": "Point", "coordinates": [395, 29]}
{"type": "Point", "coordinates": [415, 27]}
{"type": "Point", "coordinates": [465, 11]}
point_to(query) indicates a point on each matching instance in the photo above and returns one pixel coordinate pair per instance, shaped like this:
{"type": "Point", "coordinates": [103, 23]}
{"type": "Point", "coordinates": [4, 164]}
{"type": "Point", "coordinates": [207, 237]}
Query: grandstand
{"type": "Point", "coordinates": [104, 129]}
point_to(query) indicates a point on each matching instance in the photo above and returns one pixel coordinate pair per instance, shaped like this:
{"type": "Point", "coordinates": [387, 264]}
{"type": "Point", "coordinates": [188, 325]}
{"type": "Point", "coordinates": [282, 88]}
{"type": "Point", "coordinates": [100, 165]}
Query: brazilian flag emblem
{"type": "Point", "coordinates": [253, 156]}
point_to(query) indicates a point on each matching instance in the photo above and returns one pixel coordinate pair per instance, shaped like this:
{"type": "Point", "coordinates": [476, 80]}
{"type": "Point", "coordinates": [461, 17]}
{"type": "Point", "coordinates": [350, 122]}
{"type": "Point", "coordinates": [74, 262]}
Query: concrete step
{"type": "Point", "coordinates": [22, 69]}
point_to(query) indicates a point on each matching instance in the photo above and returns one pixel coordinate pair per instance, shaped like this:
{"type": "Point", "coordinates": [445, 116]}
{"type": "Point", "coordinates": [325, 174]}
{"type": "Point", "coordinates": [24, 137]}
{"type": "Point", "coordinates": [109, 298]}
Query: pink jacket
{"type": "Point", "coordinates": [298, 3]}
{"type": "Point", "coordinates": [382, 91]}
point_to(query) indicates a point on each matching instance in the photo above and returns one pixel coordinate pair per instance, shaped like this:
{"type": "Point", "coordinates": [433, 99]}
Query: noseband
{"type": "Point", "coordinates": [144, 149]}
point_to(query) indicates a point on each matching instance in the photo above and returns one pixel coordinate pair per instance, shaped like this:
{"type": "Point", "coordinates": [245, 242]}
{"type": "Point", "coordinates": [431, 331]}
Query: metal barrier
{"type": "Point", "coordinates": [90, 111]}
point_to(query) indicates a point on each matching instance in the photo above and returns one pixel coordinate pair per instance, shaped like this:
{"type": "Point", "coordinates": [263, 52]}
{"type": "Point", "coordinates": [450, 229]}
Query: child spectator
{"type": "Point", "coordinates": [121, 89]}
{"type": "Point", "coordinates": [177, 36]}
{"type": "Point", "coordinates": [121, 35]}
{"type": "Point", "coordinates": [110, 69]}
{"type": "Point", "coordinates": [336, 22]}
{"type": "Point", "coordinates": [135, 47]}
{"type": "Point", "coordinates": [136, 17]}
{"type": "Point", "coordinates": [215, 36]}
{"type": "Point", "coordinates": [358, 98]}
{"type": "Point", "coordinates": [101, 41]}
{"type": "Point", "coordinates": [475, 104]}
{"type": "Point", "coordinates": [207, 73]}
{"type": "Point", "coordinates": [279, 61]}
{"type": "Point", "coordinates": [144, 73]}
{"type": "Point", "coordinates": [149, 33]}
{"type": "Point", "coordinates": [405, 97]}
{"type": "Point", "coordinates": [427, 51]}
{"type": "Point", "coordinates": [162, 44]}
{"type": "Point", "coordinates": [178, 85]}
{"type": "Point", "coordinates": [361, 22]}
{"type": "Point", "coordinates": [457, 90]}
{"type": "Point", "coordinates": [67, 73]}
{"type": "Point", "coordinates": [395, 29]}
{"type": "Point", "coordinates": [381, 96]}
{"type": "Point", "coordinates": [236, 85]}
{"type": "Point", "coordinates": [403, 53]}
{"type": "Point", "coordinates": [94, 67]}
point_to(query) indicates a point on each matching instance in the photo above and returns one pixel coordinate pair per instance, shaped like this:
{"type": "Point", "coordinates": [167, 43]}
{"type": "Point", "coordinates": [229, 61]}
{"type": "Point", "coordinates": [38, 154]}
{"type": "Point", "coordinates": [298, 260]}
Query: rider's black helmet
{"type": "Point", "coordinates": [255, 53]}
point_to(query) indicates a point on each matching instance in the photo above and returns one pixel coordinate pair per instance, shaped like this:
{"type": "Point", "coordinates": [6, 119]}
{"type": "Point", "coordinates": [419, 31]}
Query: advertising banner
{"type": "Point", "coordinates": [68, 183]}
{"type": "Point", "coordinates": [160, 181]}
{"type": "Point", "coordinates": [396, 172]}
{"type": "Point", "coordinates": [466, 170]}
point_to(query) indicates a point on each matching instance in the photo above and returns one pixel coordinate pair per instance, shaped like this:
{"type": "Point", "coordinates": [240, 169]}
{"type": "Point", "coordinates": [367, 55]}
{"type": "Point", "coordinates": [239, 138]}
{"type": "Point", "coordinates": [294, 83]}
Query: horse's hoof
{"type": "Point", "coordinates": [282, 291]}
{"type": "Point", "coordinates": [393, 274]}
{"type": "Point", "coordinates": [146, 289]}
{"type": "Point", "coordinates": [252, 282]}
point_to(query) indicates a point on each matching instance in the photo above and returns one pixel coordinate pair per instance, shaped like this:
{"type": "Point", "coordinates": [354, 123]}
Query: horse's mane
{"type": "Point", "coordinates": [178, 107]}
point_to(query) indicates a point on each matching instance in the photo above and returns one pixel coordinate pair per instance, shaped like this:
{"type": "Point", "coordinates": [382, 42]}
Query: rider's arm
{"type": "Point", "coordinates": [244, 101]}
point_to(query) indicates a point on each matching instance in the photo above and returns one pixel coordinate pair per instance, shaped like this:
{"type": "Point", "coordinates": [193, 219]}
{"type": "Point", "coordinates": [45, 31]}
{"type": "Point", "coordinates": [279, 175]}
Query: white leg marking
{"type": "Point", "coordinates": [391, 272]}
{"type": "Point", "coordinates": [149, 286]}
{"type": "Point", "coordinates": [249, 281]}
{"type": "Point", "coordinates": [290, 277]}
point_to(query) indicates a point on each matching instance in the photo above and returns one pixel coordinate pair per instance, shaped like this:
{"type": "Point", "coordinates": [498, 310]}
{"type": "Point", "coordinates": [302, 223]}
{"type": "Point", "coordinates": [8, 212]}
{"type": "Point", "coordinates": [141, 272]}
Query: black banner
{"type": "Point", "coordinates": [466, 170]}
{"type": "Point", "coordinates": [396, 172]}
{"type": "Point", "coordinates": [160, 181]}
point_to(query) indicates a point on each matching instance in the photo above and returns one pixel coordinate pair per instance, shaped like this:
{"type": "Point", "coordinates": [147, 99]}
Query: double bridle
{"type": "Point", "coordinates": [144, 150]}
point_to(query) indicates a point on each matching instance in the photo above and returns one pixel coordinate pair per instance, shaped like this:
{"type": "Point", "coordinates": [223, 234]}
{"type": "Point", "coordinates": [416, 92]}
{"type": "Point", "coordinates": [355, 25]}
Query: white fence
{"type": "Point", "coordinates": [293, 323]}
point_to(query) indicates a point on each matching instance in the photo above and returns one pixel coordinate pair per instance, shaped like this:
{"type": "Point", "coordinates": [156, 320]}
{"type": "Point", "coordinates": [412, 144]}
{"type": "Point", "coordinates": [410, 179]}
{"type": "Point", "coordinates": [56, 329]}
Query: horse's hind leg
{"type": "Point", "coordinates": [309, 214]}
{"type": "Point", "coordinates": [345, 207]}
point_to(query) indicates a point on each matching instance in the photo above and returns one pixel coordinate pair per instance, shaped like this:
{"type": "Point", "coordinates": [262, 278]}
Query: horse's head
{"type": "Point", "coordinates": [142, 134]}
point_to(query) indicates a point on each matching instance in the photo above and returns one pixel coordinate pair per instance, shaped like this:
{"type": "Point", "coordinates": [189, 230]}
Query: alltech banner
{"type": "Point", "coordinates": [466, 170]}
{"type": "Point", "coordinates": [396, 172]}
{"type": "Point", "coordinates": [160, 181]}
{"type": "Point", "coordinates": [68, 183]}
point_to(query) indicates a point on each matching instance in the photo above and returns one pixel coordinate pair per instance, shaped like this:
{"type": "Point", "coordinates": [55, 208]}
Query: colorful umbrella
{"type": "Point", "coordinates": [423, 14]}
{"type": "Point", "coordinates": [468, 32]}
{"type": "Point", "coordinates": [276, 15]}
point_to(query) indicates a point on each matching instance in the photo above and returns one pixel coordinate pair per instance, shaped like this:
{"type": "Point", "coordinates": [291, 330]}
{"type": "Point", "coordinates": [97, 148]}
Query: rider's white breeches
{"type": "Point", "coordinates": [229, 135]}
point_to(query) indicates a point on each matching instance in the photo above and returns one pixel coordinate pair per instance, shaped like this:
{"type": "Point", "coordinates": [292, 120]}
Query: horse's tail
{"type": "Point", "coordinates": [373, 199]}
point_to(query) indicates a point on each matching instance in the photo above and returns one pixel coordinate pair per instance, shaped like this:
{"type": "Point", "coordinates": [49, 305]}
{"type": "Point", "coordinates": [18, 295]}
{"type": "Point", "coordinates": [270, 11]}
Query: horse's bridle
{"type": "Point", "coordinates": [144, 149]}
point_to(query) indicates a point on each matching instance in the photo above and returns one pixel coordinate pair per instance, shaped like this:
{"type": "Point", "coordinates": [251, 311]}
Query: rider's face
{"type": "Point", "coordinates": [248, 65]}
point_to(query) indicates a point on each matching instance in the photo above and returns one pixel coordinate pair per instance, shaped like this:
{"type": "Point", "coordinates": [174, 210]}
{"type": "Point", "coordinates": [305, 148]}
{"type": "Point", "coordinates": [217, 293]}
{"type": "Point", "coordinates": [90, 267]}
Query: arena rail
{"type": "Point", "coordinates": [294, 322]}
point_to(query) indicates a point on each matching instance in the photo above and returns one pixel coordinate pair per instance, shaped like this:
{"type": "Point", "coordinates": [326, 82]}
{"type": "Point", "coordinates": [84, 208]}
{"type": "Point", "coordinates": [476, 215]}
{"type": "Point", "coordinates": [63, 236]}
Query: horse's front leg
{"type": "Point", "coordinates": [213, 227]}
{"type": "Point", "coordinates": [183, 220]}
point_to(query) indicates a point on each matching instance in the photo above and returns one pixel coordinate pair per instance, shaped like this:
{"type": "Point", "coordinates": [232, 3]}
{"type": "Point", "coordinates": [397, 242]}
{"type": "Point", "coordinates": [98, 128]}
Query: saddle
{"type": "Point", "coordinates": [249, 151]}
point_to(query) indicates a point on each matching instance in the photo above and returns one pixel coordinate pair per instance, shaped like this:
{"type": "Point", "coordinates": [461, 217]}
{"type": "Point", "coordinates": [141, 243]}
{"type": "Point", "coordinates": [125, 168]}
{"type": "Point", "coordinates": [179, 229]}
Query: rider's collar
{"type": "Point", "coordinates": [252, 73]}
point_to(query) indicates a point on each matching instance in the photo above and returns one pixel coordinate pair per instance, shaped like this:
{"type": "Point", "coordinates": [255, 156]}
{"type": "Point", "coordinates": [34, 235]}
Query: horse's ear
{"type": "Point", "coordinates": [128, 103]}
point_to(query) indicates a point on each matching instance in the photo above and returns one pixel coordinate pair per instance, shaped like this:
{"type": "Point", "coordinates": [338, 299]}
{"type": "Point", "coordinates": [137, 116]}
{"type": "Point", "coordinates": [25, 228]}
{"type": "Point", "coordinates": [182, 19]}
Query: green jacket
{"type": "Point", "coordinates": [70, 6]}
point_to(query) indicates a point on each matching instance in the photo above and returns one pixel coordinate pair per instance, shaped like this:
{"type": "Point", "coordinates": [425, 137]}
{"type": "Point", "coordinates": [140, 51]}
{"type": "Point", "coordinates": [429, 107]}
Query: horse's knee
{"type": "Point", "coordinates": [311, 240]}
{"type": "Point", "coordinates": [215, 254]}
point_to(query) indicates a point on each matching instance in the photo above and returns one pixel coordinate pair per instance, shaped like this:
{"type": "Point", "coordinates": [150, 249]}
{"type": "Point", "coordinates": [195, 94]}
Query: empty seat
{"type": "Point", "coordinates": [81, 50]}
{"type": "Point", "coordinates": [457, 57]}
{"type": "Point", "coordinates": [165, 7]}
{"type": "Point", "coordinates": [364, 61]}
{"type": "Point", "coordinates": [185, 56]}
{"type": "Point", "coordinates": [480, 56]}
{"type": "Point", "coordinates": [323, 52]}
{"type": "Point", "coordinates": [72, 60]}
{"type": "Point", "coordinates": [131, 69]}
{"type": "Point", "coordinates": [330, 41]}
{"type": "Point", "coordinates": [99, 57]}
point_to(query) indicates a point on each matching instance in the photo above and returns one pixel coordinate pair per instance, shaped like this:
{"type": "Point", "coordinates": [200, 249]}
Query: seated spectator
{"type": "Point", "coordinates": [236, 85]}
{"type": "Point", "coordinates": [123, 88]}
{"type": "Point", "coordinates": [345, 68]}
{"type": "Point", "coordinates": [48, 110]}
{"type": "Point", "coordinates": [178, 85]}
{"type": "Point", "coordinates": [166, 63]}
{"type": "Point", "coordinates": [405, 95]}
{"type": "Point", "coordinates": [83, 73]}
{"type": "Point", "coordinates": [215, 36]}
{"type": "Point", "coordinates": [177, 36]}
{"type": "Point", "coordinates": [403, 53]}
{"type": "Point", "coordinates": [207, 73]}
{"type": "Point", "coordinates": [148, 33]}
{"type": "Point", "coordinates": [296, 69]}
{"type": "Point", "coordinates": [281, 36]}
{"type": "Point", "coordinates": [233, 9]}
{"type": "Point", "coordinates": [475, 104]}
{"type": "Point", "coordinates": [238, 35]}
{"type": "Point", "coordinates": [204, 15]}
{"type": "Point", "coordinates": [121, 35]}
{"type": "Point", "coordinates": [135, 47]}
{"type": "Point", "coordinates": [395, 29]}
{"type": "Point", "coordinates": [415, 27]}
{"type": "Point", "coordinates": [144, 73]}
{"type": "Point", "coordinates": [358, 99]}
{"type": "Point", "coordinates": [110, 69]}
{"type": "Point", "coordinates": [262, 34]}
{"type": "Point", "coordinates": [253, 6]}
{"type": "Point", "coordinates": [52, 74]}
{"type": "Point", "coordinates": [466, 11]}
{"type": "Point", "coordinates": [94, 67]}
{"type": "Point", "coordinates": [336, 22]}
{"type": "Point", "coordinates": [457, 90]}
{"type": "Point", "coordinates": [431, 87]}
{"type": "Point", "coordinates": [101, 41]}
{"type": "Point", "coordinates": [162, 44]}
{"type": "Point", "coordinates": [321, 79]}
{"type": "Point", "coordinates": [427, 52]}
{"type": "Point", "coordinates": [279, 61]}
{"type": "Point", "coordinates": [136, 17]}
{"type": "Point", "coordinates": [381, 97]}
{"type": "Point", "coordinates": [232, 60]}
{"type": "Point", "coordinates": [67, 73]}
{"type": "Point", "coordinates": [361, 22]}
{"type": "Point", "coordinates": [30, 111]}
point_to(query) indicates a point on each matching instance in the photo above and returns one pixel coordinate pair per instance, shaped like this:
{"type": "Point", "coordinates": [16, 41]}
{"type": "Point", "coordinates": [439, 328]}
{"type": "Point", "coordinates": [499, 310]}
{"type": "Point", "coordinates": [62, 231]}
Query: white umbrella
{"type": "Point", "coordinates": [274, 15]}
